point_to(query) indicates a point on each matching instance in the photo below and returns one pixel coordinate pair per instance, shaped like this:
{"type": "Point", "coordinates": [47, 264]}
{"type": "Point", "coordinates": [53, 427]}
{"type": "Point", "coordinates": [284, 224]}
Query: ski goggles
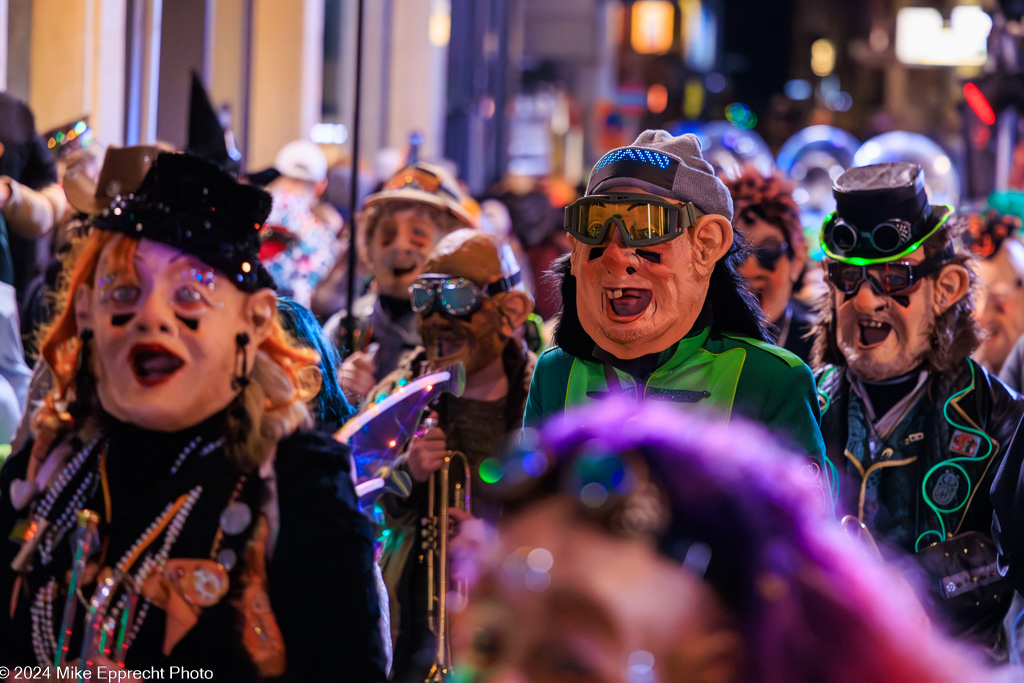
{"type": "Point", "coordinates": [455, 296]}
{"type": "Point", "coordinates": [643, 219]}
{"type": "Point", "coordinates": [885, 279]}
{"type": "Point", "coordinates": [418, 178]}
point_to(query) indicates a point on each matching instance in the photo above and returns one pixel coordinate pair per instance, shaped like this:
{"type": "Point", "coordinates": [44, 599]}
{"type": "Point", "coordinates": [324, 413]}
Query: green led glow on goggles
{"type": "Point", "coordinates": [876, 239]}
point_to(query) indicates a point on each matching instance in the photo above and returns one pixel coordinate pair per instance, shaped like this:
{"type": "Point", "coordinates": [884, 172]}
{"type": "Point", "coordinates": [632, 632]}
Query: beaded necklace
{"type": "Point", "coordinates": [169, 523]}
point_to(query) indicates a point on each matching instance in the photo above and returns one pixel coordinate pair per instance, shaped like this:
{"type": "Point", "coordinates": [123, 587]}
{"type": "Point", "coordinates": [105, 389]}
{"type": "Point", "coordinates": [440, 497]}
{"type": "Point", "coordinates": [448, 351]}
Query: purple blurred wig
{"type": "Point", "coordinates": [810, 603]}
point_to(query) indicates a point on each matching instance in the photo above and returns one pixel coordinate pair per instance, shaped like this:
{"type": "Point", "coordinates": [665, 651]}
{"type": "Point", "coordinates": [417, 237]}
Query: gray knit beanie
{"type": "Point", "coordinates": [668, 166]}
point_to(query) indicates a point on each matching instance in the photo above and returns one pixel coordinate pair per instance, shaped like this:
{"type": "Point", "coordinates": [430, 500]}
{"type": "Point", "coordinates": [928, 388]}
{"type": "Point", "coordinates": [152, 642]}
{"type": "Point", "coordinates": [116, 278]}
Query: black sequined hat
{"type": "Point", "coordinates": [192, 205]}
{"type": "Point", "coordinates": [882, 214]}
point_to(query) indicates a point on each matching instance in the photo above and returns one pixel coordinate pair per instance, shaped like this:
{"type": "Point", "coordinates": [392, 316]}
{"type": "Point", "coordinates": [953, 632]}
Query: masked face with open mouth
{"type": "Point", "coordinates": [1000, 306]}
{"type": "Point", "coordinates": [880, 337]}
{"type": "Point", "coordinates": [467, 303]}
{"type": "Point", "coordinates": [399, 246]}
{"type": "Point", "coordinates": [633, 301]}
{"type": "Point", "coordinates": [475, 340]}
{"type": "Point", "coordinates": [164, 348]}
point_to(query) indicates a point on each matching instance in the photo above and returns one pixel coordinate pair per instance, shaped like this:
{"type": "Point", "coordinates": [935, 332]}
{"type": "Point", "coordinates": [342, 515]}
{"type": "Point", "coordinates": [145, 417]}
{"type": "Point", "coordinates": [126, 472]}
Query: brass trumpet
{"type": "Point", "coordinates": [442, 495]}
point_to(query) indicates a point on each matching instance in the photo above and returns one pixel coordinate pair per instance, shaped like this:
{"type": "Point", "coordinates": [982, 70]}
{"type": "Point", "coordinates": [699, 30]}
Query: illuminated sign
{"type": "Point", "coordinates": [923, 38]}
{"type": "Point", "coordinates": [651, 30]}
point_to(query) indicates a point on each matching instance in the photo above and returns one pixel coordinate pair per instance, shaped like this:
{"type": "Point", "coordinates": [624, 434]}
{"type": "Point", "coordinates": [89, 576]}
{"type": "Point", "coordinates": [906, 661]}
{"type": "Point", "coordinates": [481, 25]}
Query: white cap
{"type": "Point", "coordinates": [302, 160]}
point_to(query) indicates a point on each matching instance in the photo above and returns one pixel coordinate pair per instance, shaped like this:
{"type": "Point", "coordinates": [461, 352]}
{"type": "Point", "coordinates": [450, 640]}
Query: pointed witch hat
{"type": "Point", "coordinates": [205, 133]}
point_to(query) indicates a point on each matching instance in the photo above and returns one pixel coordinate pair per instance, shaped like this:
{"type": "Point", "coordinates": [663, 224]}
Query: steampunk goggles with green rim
{"type": "Point", "coordinates": [885, 241]}
{"type": "Point", "coordinates": [642, 219]}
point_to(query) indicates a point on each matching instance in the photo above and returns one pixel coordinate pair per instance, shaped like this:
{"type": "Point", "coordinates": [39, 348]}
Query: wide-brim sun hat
{"type": "Point", "coordinates": [426, 184]}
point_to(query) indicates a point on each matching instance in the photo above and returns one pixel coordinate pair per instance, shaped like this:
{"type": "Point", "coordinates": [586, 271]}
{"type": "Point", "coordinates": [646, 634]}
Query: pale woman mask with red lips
{"type": "Point", "coordinates": [164, 349]}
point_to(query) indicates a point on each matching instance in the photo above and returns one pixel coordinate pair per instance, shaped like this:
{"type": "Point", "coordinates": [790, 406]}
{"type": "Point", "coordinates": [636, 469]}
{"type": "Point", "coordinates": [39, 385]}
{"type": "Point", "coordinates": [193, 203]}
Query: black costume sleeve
{"type": "Point", "coordinates": [321, 578]}
{"type": "Point", "coordinates": [1007, 495]}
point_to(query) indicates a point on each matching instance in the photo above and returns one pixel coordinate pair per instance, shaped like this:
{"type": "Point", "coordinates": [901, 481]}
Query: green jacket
{"type": "Point", "coordinates": [729, 373]}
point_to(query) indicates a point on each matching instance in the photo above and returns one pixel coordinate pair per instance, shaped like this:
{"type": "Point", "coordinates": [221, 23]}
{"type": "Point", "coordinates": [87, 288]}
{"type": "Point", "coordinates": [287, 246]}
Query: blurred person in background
{"type": "Point", "coordinates": [79, 168]}
{"type": "Point", "coordinates": [914, 429]}
{"type": "Point", "coordinates": [331, 294]}
{"type": "Point", "coordinates": [536, 216]}
{"type": "Point", "coordinates": [31, 199]}
{"type": "Point", "coordinates": [399, 226]}
{"type": "Point", "coordinates": [994, 240]}
{"type": "Point", "coordinates": [766, 216]}
{"type": "Point", "coordinates": [653, 545]}
{"type": "Point", "coordinates": [496, 220]}
{"type": "Point", "coordinates": [15, 374]}
{"type": "Point", "coordinates": [299, 249]}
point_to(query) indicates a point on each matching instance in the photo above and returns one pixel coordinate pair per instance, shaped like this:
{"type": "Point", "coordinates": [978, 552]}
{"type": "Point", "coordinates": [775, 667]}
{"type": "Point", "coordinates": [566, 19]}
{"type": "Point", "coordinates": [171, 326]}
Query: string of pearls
{"type": "Point", "coordinates": [207, 449]}
{"type": "Point", "coordinates": [70, 469]}
{"type": "Point", "coordinates": [43, 640]}
{"type": "Point", "coordinates": [55, 532]}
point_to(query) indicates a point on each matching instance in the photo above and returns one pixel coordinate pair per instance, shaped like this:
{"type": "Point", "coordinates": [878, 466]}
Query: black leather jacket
{"type": "Point", "coordinates": [946, 437]}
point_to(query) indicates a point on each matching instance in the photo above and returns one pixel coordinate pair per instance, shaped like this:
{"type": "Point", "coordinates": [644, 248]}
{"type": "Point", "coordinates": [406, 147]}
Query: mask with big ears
{"type": "Point", "coordinates": [643, 266]}
{"type": "Point", "coordinates": [635, 301]}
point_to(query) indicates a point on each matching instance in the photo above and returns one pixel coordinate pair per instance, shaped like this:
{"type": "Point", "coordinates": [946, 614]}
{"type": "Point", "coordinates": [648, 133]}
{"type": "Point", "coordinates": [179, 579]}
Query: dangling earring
{"type": "Point", "coordinates": [241, 380]}
{"type": "Point", "coordinates": [239, 421]}
{"type": "Point", "coordinates": [84, 386]}
{"type": "Point", "coordinates": [85, 336]}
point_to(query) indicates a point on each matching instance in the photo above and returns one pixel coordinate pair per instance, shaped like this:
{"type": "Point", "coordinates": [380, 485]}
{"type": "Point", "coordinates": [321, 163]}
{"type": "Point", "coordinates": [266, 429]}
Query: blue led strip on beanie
{"type": "Point", "coordinates": [634, 154]}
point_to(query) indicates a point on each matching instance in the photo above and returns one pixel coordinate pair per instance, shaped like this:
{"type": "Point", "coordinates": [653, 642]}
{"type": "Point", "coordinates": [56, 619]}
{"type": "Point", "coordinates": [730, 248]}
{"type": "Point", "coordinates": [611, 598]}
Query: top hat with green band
{"type": "Point", "coordinates": [882, 214]}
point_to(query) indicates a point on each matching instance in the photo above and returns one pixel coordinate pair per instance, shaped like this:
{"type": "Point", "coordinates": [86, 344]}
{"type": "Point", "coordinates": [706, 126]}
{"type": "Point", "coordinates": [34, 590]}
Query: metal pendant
{"type": "Point", "coordinates": [227, 558]}
{"type": "Point", "coordinates": [235, 518]}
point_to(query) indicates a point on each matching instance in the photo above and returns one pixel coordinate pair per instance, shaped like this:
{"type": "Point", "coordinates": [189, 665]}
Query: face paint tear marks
{"type": "Point", "coordinates": [190, 323]}
{"type": "Point", "coordinates": [121, 319]}
{"type": "Point", "coordinates": [651, 256]}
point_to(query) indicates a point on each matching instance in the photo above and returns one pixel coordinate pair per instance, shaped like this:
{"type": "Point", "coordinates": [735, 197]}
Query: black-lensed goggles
{"type": "Point", "coordinates": [455, 296]}
{"type": "Point", "coordinates": [885, 237]}
{"type": "Point", "coordinates": [886, 279]}
{"type": "Point", "coordinates": [769, 255]}
{"type": "Point", "coordinates": [642, 219]}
